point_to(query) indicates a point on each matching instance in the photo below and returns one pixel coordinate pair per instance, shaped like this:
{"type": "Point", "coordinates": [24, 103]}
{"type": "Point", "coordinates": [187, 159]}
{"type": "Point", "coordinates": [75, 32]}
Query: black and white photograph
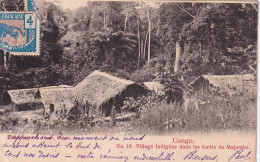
{"type": "Point", "coordinates": [131, 67]}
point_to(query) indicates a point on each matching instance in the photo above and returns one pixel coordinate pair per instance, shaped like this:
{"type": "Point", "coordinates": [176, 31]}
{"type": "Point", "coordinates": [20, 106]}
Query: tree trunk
{"type": "Point", "coordinates": [104, 15]}
{"type": "Point", "coordinates": [210, 54]}
{"type": "Point", "coordinates": [142, 52]}
{"type": "Point", "coordinates": [138, 61]}
{"type": "Point", "coordinates": [104, 19]}
{"type": "Point", "coordinates": [149, 39]}
{"type": "Point", "coordinates": [126, 16]}
{"type": "Point", "coordinates": [145, 44]}
{"type": "Point", "coordinates": [158, 29]}
{"type": "Point", "coordinates": [200, 49]}
{"type": "Point", "coordinates": [177, 59]}
{"type": "Point", "coordinates": [5, 60]}
{"type": "Point", "coordinates": [2, 60]}
{"type": "Point", "coordinates": [139, 50]}
{"type": "Point", "coordinates": [126, 19]}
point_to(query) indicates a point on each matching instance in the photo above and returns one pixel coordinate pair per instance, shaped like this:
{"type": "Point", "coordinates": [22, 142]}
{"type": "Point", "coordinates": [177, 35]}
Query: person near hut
{"type": "Point", "coordinates": [113, 115]}
{"type": "Point", "coordinates": [5, 98]}
{"type": "Point", "coordinates": [63, 113]}
{"type": "Point", "coordinates": [74, 113]}
{"type": "Point", "coordinates": [49, 114]}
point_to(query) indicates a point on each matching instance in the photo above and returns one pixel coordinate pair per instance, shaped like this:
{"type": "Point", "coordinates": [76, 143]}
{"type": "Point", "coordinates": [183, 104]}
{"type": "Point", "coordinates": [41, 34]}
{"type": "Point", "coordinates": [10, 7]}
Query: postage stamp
{"type": "Point", "coordinates": [34, 5]}
{"type": "Point", "coordinates": [30, 5]}
{"type": "Point", "coordinates": [19, 33]}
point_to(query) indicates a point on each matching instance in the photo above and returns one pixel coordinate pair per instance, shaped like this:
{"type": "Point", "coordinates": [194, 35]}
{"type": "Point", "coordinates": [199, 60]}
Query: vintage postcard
{"type": "Point", "coordinates": [128, 81]}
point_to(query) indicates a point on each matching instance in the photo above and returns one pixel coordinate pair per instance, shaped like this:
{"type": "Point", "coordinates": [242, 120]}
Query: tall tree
{"type": "Point", "coordinates": [149, 33]}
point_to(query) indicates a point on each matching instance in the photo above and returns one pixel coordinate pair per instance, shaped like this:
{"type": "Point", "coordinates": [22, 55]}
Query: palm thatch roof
{"type": "Point", "coordinates": [231, 84]}
{"type": "Point", "coordinates": [23, 96]}
{"type": "Point", "coordinates": [98, 88]}
{"type": "Point", "coordinates": [60, 96]}
{"type": "Point", "coordinates": [55, 87]}
{"type": "Point", "coordinates": [155, 86]}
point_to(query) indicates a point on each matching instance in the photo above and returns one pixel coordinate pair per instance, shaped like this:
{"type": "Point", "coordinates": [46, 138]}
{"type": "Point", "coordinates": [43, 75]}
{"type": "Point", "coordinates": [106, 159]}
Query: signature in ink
{"type": "Point", "coordinates": [194, 156]}
{"type": "Point", "coordinates": [240, 155]}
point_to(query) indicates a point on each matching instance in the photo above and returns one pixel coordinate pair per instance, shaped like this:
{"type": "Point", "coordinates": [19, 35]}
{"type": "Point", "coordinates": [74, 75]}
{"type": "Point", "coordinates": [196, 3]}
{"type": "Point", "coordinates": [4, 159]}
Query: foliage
{"type": "Point", "coordinates": [235, 113]}
{"type": "Point", "coordinates": [104, 35]}
{"type": "Point", "coordinates": [12, 5]}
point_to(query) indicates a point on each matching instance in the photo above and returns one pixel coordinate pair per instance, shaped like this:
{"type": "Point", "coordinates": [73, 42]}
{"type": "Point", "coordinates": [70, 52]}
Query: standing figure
{"type": "Point", "coordinates": [49, 114]}
{"type": "Point", "coordinates": [113, 115]}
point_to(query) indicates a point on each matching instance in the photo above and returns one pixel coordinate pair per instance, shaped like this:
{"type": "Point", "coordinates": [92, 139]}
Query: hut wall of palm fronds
{"type": "Point", "coordinates": [60, 96]}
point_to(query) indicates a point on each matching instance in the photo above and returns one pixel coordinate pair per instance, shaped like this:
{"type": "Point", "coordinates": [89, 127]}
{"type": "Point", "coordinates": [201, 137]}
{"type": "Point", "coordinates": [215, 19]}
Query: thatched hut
{"type": "Point", "coordinates": [99, 91]}
{"type": "Point", "coordinates": [60, 96]}
{"type": "Point", "coordinates": [25, 99]}
{"type": "Point", "coordinates": [227, 84]}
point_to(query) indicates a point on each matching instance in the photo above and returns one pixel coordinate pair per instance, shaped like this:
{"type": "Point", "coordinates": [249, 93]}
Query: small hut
{"type": "Point", "coordinates": [25, 99]}
{"type": "Point", "coordinates": [228, 84]}
{"type": "Point", "coordinates": [99, 91]}
{"type": "Point", "coordinates": [60, 96]}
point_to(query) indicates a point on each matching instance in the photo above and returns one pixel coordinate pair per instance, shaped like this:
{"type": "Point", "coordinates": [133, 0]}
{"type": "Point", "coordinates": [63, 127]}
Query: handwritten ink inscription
{"type": "Point", "coordinates": [240, 155]}
{"type": "Point", "coordinates": [195, 156]}
{"type": "Point", "coordinates": [95, 149]}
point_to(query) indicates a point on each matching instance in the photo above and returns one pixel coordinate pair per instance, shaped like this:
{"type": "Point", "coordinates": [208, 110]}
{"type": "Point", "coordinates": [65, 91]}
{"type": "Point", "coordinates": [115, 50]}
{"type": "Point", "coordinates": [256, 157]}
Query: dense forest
{"type": "Point", "coordinates": [137, 41]}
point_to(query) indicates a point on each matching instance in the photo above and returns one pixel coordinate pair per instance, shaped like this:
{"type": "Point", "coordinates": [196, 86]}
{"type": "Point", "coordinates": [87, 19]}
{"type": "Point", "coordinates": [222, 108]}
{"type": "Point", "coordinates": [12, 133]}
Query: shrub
{"type": "Point", "coordinates": [214, 113]}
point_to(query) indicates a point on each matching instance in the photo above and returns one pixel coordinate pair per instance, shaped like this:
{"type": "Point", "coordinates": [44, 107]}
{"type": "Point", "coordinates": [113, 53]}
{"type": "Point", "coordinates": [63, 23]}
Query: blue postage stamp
{"type": "Point", "coordinates": [34, 5]}
{"type": "Point", "coordinates": [19, 33]}
{"type": "Point", "coordinates": [31, 7]}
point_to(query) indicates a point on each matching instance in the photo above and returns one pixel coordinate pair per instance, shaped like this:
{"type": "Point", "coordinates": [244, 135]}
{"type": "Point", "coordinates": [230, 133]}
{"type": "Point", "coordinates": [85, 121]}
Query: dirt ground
{"type": "Point", "coordinates": [34, 122]}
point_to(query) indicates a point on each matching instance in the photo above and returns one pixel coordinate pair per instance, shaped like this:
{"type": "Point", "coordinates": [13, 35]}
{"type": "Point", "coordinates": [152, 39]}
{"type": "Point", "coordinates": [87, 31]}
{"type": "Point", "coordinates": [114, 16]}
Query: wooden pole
{"type": "Point", "coordinates": [5, 60]}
